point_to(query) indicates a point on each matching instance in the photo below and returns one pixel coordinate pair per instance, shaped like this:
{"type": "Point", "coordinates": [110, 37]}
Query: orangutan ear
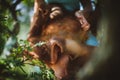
{"type": "Point", "coordinates": [56, 50]}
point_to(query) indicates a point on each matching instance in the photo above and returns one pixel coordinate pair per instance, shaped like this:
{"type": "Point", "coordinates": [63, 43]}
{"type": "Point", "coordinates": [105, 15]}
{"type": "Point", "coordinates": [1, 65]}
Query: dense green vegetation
{"type": "Point", "coordinates": [20, 65]}
{"type": "Point", "coordinates": [15, 63]}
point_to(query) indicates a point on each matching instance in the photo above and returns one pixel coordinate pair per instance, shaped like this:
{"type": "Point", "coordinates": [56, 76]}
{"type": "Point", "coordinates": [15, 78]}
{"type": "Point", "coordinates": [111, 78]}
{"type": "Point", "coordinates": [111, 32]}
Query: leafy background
{"type": "Point", "coordinates": [14, 26]}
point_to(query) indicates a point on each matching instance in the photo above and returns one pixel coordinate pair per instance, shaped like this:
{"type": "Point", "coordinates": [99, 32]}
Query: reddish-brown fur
{"type": "Point", "coordinates": [63, 51]}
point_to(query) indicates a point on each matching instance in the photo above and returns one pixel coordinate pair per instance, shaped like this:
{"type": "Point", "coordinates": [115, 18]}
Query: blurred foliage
{"type": "Point", "coordinates": [18, 65]}
{"type": "Point", "coordinates": [15, 65]}
{"type": "Point", "coordinates": [13, 13]}
{"type": "Point", "coordinates": [28, 3]}
{"type": "Point", "coordinates": [4, 32]}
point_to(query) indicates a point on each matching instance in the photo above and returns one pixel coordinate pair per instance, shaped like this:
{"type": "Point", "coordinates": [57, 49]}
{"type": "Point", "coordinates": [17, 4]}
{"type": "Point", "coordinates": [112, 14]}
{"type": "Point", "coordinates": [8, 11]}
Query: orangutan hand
{"type": "Point", "coordinates": [55, 11]}
{"type": "Point", "coordinates": [85, 25]}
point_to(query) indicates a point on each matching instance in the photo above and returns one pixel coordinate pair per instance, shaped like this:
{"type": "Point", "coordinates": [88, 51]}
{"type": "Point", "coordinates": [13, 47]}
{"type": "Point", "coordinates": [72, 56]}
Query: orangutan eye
{"type": "Point", "coordinates": [45, 53]}
{"type": "Point", "coordinates": [44, 50]}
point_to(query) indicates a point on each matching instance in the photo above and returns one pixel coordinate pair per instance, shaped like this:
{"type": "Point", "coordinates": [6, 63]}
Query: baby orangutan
{"type": "Point", "coordinates": [65, 35]}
